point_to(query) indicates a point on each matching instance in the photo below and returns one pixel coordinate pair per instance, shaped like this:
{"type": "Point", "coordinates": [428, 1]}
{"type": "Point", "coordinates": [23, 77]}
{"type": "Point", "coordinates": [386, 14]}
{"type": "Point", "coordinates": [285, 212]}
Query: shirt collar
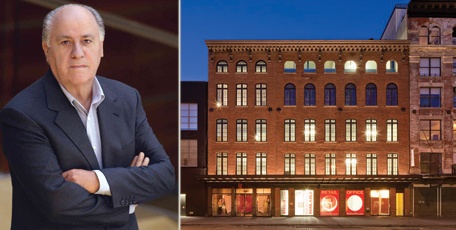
{"type": "Point", "coordinates": [97, 95]}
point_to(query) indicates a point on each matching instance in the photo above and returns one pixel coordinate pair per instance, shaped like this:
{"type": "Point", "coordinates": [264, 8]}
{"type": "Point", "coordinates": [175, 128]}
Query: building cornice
{"type": "Point", "coordinates": [307, 45]}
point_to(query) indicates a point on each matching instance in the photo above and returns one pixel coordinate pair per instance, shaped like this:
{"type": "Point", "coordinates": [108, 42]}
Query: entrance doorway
{"type": "Point", "coordinates": [399, 204]}
{"type": "Point", "coordinates": [244, 198]}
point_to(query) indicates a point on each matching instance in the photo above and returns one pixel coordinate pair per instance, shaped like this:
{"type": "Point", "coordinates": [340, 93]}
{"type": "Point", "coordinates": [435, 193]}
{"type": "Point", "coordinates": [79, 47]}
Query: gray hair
{"type": "Point", "coordinates": [48, 20]}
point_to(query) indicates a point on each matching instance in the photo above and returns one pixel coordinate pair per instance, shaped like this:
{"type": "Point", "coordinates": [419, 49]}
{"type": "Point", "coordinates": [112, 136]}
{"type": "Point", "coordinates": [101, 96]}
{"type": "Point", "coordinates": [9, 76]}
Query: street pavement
{"type": "Point", "coordinates": [364, 222]}
{"type": "Point", "coordinates": [157, 217]}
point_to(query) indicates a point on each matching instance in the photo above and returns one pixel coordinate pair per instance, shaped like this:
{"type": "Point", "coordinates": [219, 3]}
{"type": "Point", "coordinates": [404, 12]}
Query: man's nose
{"type": "Point", "coordinates": [77, 51]}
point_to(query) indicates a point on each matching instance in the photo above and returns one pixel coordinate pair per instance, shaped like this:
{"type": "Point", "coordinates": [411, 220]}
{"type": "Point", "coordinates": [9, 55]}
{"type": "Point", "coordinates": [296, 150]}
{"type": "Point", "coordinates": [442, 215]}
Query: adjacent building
{"type": "Point", "coordinates": [430, 26]}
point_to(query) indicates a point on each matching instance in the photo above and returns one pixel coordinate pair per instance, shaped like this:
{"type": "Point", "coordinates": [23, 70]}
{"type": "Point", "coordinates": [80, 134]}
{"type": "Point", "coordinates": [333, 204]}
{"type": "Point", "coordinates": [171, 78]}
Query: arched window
{"type": "Point", "coordinates": [290, 67]}
{"type": "Point", "coordinates": [391, 66]}
{"type": "Point", "coordinates": [241, 67]}
{"type": "Point", "coordinates": [330, 94]}
{"type": "Point", "coordinates": [434, 36]}
{"type": "Point", "coordinates": [222, 67]}
{"type": "Point", "coordinates": [391, 94]}
{"type": "Point", "coordinates": [371, 67]}
{"type": "Point", "coordinates": [260, 67]}
{"type": "Point", "coordinates": [309, 95]}
{"type": "Point", "coordinates": [424, 35]}
{"type": "Point", "coordinates": [350, 94]}
{"type": "Point", "coordinates": [290, 95]}
{"type": "Point", "coordinates": [371, 94]}
{"type": "Point", "coordinates": [310, 67]}
{"type": "Point", "coordinates": [350, 67]}
{"type": "Point", "coordinates": [330, 67]}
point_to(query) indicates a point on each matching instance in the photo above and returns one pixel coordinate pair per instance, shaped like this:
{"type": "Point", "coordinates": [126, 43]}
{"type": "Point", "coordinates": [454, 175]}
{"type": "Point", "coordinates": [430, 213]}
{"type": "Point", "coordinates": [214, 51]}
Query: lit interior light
{"type": "Point", "coordinates": [218, 104]}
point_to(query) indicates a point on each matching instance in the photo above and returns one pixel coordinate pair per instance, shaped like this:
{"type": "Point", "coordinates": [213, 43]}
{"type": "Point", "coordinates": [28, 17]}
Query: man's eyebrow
{"type": "Point", "coordinates": [88, 36]}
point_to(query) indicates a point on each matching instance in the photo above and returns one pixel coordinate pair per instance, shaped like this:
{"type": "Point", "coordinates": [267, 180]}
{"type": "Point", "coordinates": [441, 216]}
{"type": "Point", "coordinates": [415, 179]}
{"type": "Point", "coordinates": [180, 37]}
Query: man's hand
{"type": "Point", "coordinates": [87, 179]}
{"type": "Point", "coordinates": [139, 160]}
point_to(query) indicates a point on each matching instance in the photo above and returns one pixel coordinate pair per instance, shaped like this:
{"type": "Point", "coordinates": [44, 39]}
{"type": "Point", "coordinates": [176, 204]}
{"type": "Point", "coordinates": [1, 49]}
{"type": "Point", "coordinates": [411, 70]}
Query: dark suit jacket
{"type": "Point", "coordinates": [43, 136]}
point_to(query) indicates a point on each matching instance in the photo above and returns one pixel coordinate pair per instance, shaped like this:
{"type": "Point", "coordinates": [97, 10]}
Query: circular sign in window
{"type": "Point", "coordinates": [355, 203]}
{"type": "Point", "coordinates": [329, 203]}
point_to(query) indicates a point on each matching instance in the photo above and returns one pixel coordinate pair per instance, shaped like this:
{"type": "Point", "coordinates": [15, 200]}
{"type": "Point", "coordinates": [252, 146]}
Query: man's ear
{"type": "Point", "coordinates": [102, 52]}
{"type": "Point", "coordinates": [45, 50]}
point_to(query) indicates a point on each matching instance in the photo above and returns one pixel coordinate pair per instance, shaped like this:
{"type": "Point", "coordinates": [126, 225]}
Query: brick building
{"type": "Point", "coordinates": [430, 26]}
{"type": "Point", "coordinates": [193, 118]}
{"type": "Point", "coordinates": [315, 128]}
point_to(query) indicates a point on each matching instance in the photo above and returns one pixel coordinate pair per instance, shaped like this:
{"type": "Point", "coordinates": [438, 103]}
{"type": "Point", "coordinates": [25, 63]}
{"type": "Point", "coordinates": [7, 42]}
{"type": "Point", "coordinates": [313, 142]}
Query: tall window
{"type": "Point", "coordinates": [222, 95]}
{"type": "Point", "coordinates": [454, 36]}
{"type": "Point", "coordinates": [261, 132]}
{"type": "Point", "coordinates": [309, 130]}
{"type": "Point", "coordinates": [454, 61]}
{"type": "Point", "coordinates": [222, 67]}
{"type": "Point", "coordinates": [241, 67]}
{"type": "Point", "coordinates": [350, 130]}
{"type": "Point", "coordinates": [391, 66]}
{"type": "Point", "coordinates": [260, 94]}
{"type": "Point", "coordinates": [189, 153]}
{"type": "Point", "coordinates": [222, 130]}
{"type": "Point", "coordinates": [431, 163]}
{"type": "Point", "coordinates": [430, 130]}
{"type": "Point", "coordinates": [350, 94]}
{"type": "Point", "coordinates": [260, 164]}
{"type": "Point", "coordinates": [392, 164]}
{"type": "Point", "coordinates": [371, 164]}
{"type": "Point", "coordinates": [290, 130]}
{"type": "Point", "coordinates": [391, 130]}
{"type": "Point", "coordinates": [350, 67]}
{"type": "Point", "coordinates": [330, 130]}
{"type": "Point", "coordinates": [330, 67]}
{"type": "Point", "coordinates": [424, 35]}
{"type": "Point", "coordinates": [289, 67]}
{"type": "Point", "coordinates": [350, 164]}
{"type": "Point", "coordinates": [454, 97]}
{"type": "Point", "coordinates": [330, 164]}
{"type": "Point", "coordinates": [330, 94]}
{"type": "Point", "coordinates": [309, 95]}
{"type": "Point", "coordinates": [391, 94]}
{"type": "Point", "coordinates": [309, 164]}
{"type": "Point", "coordinates": [371, 130]}
{"type": "Point", "coordinates": [310, 67]}
{"type": "Point", "coordinates": [260, 67]}
{"type": "Point", "coordinates": [434, 36]}
{"type": "Point", "coordinates": [189, 116]}
{"type": "Point", "coordinates": [371, 94]}
{"type": "Point", "coordinates": [222, 163]}
{"type": "Point", "coordinates": [290, 164]}
{"type": "Point", "coordinates": [430, 97]}
{"type": "Point", "coordinates": [241, 163]}
{"type": "Point", "coordinates": [371, 67]}
{"type": "Point", "coordinates": [429, 67]}
{"type": "Point", "coordinates": [290, 95]}
{"type": "Point", "coordinates": [241, 130]}
{"type": "Point", "coordinates": [241, 94]}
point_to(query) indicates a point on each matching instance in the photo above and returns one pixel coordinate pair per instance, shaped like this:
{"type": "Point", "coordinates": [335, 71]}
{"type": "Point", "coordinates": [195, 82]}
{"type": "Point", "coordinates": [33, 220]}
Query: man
{"type": "Point", "coordinates": [81, 152]}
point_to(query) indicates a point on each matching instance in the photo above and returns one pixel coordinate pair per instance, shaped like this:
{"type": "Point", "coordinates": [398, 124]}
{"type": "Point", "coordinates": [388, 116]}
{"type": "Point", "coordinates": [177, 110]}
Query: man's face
{"type": "Point", "coordinates": [75, 49]}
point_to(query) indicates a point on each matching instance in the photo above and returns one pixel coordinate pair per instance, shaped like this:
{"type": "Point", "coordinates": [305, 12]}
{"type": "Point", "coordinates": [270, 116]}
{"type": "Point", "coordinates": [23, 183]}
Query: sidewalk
{"type": "Point", "coordinates": [149, 216]}
{"type": "Point", "coordinates": [329, 222]}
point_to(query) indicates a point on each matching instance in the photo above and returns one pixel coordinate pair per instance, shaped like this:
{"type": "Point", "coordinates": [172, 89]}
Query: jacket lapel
{"type": "Point", "coordinates": [111, 126]}
{"type": "Point", "coordinates": [68, 119]}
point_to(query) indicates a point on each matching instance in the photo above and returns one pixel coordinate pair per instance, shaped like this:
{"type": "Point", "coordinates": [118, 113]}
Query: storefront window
{"type": "Point", "coordinates": [221, 202]}
{"type": "Point", "coordinates": [355, 202]}
{"type": "Point", "coordinates": [263, 201]}
{"type": "Point", "coordinates": [244, 197]}
{"type": "Point", "coordinates": [284, 202]}
{"type": "Point", "coordinates": [304, 200]}
{"type": "Point", "coordinates": [380, 202]}
{"type": "Point", "coordinates": [329, 202]}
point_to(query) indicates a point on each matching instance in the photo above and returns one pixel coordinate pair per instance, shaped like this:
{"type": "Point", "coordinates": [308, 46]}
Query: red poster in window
{"type": "Point", "coordinates": [329, 202]}
{"type": "Point", "coordinates": [354, 203]}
